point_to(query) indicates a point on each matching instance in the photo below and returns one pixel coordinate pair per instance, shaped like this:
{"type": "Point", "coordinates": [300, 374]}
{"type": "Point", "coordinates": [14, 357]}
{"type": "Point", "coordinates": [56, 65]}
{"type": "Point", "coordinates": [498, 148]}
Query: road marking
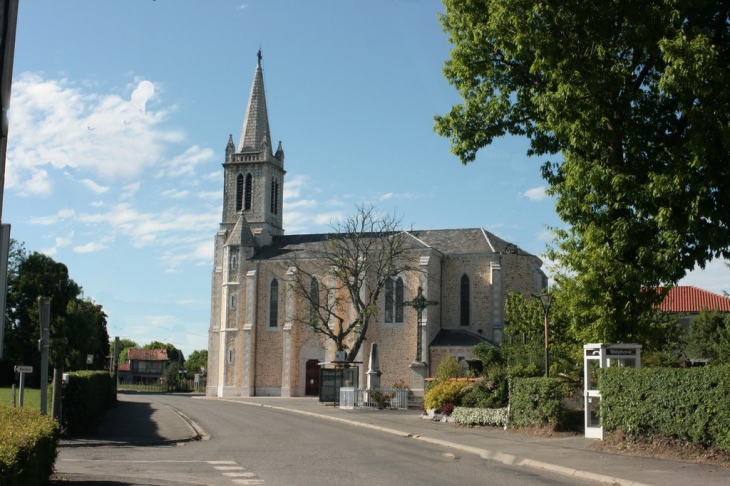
{"type": "Point", "coordinates": [248, 481]}
{"type": "Point", "coordinates": [221, 462]}
{"type": "Point", "coordinates": [240, 475]}
{"type": "Point", "coordinates": [229, 468]}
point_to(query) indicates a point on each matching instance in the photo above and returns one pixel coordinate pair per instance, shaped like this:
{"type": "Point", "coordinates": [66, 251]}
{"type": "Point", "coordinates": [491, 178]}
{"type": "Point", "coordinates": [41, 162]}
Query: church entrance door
{"type": "Point", "coordinates": [311, 387]}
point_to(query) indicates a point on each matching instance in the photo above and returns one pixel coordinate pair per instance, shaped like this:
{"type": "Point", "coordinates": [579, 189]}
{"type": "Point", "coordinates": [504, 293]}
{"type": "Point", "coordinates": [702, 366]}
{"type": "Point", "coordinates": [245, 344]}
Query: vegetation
{"type": "Point", "coordinates": [444, 392]}
{"type": "Point", "coordinates": [340, 284]}
{"type": "Point", "coordinates": [537, 402]}
{"type": "Point", "coordinates": [196, 362]}
{"type": "Point", "coordinates": [86, 397]}
{"type": "Point", "coordinates": [686, 404]}
{"type": "Point", "coordinates": [77, 327]}
{"type": "Point", "coordinates": [710, 337]}
{"type": "Point", "coordinates": [28, 447]}
{"type": "Point", "coordinates": [631, 105]}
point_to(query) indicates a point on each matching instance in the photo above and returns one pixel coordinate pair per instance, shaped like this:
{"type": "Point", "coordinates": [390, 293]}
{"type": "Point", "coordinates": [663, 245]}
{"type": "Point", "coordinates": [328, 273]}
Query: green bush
{"type": "Point", "coordinates": [444, 392]}
{"type": "Point", "coordinates": [86, 397]}
{"type": "Point", "coordinates": [490, 392]}
{"type": "Point", "coordinates": [687, 404]}
{"type": "Point", "coordinates": [537, 402]}
{"type": "Point", "coordinates": [28, 447]}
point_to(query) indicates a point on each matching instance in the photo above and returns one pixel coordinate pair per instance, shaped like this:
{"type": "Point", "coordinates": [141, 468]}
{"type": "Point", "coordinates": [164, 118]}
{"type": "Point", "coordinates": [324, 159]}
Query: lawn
{"type": "Point", "coordinates": [31, 399]}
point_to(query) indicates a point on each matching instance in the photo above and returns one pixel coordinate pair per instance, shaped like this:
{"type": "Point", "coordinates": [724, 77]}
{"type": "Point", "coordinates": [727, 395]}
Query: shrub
{"type": "Point", "coordinates": [487, 393]}
{"type": "Point", "coordinates": [686, 404]}
{"type": "Point", "coordinates": [86, 397]}
{"type": "Point", "coordinates": [28, 447]}
{"type": "Point", "coordinates": [536, 402]}
{"type": "Point", "coordinates": [447, 408]}
{"type": "Point", "coordinates": [480, 416]}
{"type": "Point", "coordinates": [449, 368]}
{"type": "Point", "coordinates": [444, 392]}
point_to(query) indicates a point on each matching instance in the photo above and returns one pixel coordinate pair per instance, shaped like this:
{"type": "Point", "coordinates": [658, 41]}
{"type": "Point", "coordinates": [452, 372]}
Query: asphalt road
{"type": "Point", "coordinates": [252, 445]}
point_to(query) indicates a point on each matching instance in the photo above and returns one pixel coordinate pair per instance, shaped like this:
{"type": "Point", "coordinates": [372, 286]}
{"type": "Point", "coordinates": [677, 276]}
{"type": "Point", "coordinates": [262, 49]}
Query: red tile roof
{"type": "Point", "coordinates": [147, 354]}
{"type": "Point", "coordinates": [123, 367]}
{"type": "Point", "coordinates": [693, 299]}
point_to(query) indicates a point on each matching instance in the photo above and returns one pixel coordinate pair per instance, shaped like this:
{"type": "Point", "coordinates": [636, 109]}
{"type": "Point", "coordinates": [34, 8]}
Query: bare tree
{"type": "Point", "coordinates": [340, 278]}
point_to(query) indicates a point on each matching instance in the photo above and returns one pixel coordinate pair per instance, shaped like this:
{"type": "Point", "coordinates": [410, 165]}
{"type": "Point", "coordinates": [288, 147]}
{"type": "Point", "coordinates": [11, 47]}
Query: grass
{"type": "Point", "coordinates": [31, 398]}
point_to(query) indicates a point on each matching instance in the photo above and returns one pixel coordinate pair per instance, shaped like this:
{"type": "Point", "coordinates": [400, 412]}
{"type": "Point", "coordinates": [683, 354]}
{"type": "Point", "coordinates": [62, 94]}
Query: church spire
{"type": "Point", "coordinates": [255, 132]}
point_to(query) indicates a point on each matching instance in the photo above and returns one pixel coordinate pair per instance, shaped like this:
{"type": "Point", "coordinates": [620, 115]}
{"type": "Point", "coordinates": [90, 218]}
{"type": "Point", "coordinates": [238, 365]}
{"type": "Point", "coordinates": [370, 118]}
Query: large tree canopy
{"type": "Point", "coordinates": [632, 98]}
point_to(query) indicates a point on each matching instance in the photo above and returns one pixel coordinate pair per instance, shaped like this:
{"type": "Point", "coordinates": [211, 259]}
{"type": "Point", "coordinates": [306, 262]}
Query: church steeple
{"type": "Point", "coordinates": [253, 174]}
{"type": "Point", "coordinates": [255, 131]}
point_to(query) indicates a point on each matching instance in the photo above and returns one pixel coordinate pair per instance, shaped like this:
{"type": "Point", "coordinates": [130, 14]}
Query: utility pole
{"type": "Point", "coordinates": [44, 307]}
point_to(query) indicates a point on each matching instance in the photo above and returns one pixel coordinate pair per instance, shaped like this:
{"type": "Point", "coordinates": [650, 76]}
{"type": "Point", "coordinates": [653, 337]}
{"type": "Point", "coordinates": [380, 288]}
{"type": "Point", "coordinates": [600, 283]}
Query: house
{"type": "Point", "coordinates": [255, 345]}
{"type": "Point", "coordinates": [690, 301]}
{"type": "Point", "coordinates": [146, 366]}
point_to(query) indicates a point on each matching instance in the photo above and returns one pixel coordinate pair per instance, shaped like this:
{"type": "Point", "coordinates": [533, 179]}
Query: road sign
{"type": "Point", "coordinates": [24, 369]}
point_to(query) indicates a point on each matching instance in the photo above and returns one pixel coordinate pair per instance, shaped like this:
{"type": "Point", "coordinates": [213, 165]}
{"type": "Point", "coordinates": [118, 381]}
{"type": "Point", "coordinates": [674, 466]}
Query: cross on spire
{"type": "Point", "coordinates": [419, 303]}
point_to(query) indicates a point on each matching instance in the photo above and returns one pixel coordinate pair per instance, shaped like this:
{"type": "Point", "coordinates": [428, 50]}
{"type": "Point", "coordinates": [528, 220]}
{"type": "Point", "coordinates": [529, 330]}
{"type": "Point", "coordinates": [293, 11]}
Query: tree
{"type": "Point", "coordinates": [37, 275]}
{"type": "Point", "coordinates": [710, 337]}
{"type": "Point", "coordinates": [197, 361]}
{"type": "Point", "coordinates": [633, 97]}
{"type": "Point", "coordinates": [171, 374]}
{"type": "Point", "coordinates": [341, 281]}
{"type": "Point", "coordinates": [125, 345]}
{"type": "Point", "coordinates": [86, 334]}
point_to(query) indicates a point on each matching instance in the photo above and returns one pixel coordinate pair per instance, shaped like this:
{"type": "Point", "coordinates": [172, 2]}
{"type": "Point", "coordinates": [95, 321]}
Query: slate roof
{"type": "Point", "coordinates": [446, 241]}
{"type": "Point", "coordinates": [256, 122]}
{"type": "Point", "coordinates": [457, 338]}
{"type": "Point", "coordinates": [147, 355]}
{"type": "Point", "coordinates": [693, 299]}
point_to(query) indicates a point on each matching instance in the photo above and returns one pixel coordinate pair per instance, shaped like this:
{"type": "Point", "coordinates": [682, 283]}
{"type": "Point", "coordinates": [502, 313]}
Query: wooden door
{"type": "Point", "coordinates": [311, 387]}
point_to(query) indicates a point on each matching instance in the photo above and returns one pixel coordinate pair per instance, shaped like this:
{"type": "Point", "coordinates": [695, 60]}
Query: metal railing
{"type": "Point", "coordinates": [394, 398]}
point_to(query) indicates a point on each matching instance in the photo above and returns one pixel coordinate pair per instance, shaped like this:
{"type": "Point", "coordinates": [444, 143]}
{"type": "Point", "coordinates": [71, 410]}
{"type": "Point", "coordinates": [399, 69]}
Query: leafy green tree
{"type": "Point", "coordinates": [125, 345]}
{"type": "Point", "coordinates": [171, 374]}
{"type": "Point", "coordinates": [197, 361]}
{"type": "Point", "coordinates": [632, 100]}
{"type": "Point", "coordinates": [710, 337]}
{"type": "Point", "coordinates": [86, 333]}
{"type": "Point", "coordinates": [37, 275]}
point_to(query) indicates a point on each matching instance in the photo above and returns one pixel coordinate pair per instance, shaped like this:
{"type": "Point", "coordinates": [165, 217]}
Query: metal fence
{"type": "Point", "coordinates": [394, 398]}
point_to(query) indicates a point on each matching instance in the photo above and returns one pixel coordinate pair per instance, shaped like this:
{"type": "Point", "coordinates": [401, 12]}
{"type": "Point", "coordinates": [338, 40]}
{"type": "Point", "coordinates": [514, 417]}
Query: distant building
{"type": "Point", "coordinates": [690, 301]}
{"type": "Point", "coordinates": [255, 347]}
{"type": "Point", "coordinates": [146, 366]}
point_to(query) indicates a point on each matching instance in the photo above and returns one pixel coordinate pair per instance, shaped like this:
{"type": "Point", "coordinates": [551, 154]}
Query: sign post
{"type": "Point", "coordinates": [23, 370]}
{"type": "Point", "coordinates": [44, 305]}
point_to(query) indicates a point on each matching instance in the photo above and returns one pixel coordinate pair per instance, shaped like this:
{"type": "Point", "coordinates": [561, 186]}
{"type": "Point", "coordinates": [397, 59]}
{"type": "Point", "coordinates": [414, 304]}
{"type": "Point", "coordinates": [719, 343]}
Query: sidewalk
{"type": "Point", "coordinates": [138, 419]}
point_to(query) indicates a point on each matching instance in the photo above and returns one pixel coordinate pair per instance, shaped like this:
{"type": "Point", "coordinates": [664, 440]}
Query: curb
{"type": "Point", "coordinates": [507, 459]}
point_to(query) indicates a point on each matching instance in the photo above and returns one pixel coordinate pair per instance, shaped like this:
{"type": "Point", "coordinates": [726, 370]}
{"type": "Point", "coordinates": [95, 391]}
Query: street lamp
{"type": "Point", "coordinates": [546, 300]}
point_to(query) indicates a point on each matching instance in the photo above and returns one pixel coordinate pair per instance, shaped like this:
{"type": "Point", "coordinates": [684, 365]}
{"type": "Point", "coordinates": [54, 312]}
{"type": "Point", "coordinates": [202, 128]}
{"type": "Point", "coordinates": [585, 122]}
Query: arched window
{"type": "Point", "coordinates": [393, 301]}
{"type": "Point", "coordinates": [239, 192]}
{"type": "Point", "coordinates": [249, 192]}
{"type": "Point", "coordinates": [464, 311]}
{"type": "Point", "coordinates": [313, 300]}
{"type": "Point", "coordinates": [274, 304]}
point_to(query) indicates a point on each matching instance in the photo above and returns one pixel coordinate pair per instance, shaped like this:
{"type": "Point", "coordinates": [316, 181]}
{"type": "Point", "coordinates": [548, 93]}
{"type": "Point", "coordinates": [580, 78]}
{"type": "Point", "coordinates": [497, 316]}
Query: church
{"type": "Point", "coordinates": [256, 345]}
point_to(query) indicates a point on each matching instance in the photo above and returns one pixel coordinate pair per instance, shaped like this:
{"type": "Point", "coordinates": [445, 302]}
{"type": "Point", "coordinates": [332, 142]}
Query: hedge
{"type": "Point", "coordinates": [480, 416]}
{"type": "Point", "coordinates": [444, 392]}
{"type": "Point", "coordinates": [536, 402]}
{"type": "Point", "coordinates": [28, 447]}
{"type": "Point", "coordinates": [86, 397]}
{"type": "Point", "coordinates": [688, 404]}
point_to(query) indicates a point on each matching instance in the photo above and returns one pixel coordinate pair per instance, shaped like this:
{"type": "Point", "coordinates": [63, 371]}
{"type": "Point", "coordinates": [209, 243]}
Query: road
{"type": "Point", "coordinates": [256, 445]}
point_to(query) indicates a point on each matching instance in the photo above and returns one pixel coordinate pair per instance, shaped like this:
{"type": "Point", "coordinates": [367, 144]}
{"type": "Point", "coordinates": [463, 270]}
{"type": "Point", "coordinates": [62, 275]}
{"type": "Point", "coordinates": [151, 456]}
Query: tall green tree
{"type": "Point", "coordinates": [125, 345]}
{"type": "Point", "coordinates": [197, 361]}
{"type": "Point", "coordinates": [37, 275]}
{"type": "Point", "coordinates": [630, 101]}
{"type": "Point", "coordinates": [710, 337]}
{"type": "Point", "coordinates": [86, 334]}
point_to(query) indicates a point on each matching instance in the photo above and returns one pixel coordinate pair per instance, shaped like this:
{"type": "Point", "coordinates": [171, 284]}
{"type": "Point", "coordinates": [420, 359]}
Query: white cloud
{"type": "Point", "coordinates": [385, 197]}
{"type": "Point", "coordinates": [175, 194]}
{"type": "Point", "coordinates": [49, 220]}
{"type": "Point", "coordinates": [95, 188]}
{"type": "Point", "coordinates": [536, 194]}
{"type": "Point", "coordinates": [57, 122]}
{"type": "Point", "coordinates": [186, 162]}
{"type": "Point", "coordinates": [92, 246]}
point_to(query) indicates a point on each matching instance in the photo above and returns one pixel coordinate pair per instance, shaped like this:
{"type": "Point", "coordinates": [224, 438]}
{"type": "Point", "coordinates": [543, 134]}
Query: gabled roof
{"type": "Point", "coordinates": [123, 367]}
{"type": "Point", "coordinates": [241, 234]}
{"type": "Point", "coordinates": [447, 242]}
{"type": "Point", "coordinates": [693, 299]}
{"type": "Point", "coordinates": [147, 355]}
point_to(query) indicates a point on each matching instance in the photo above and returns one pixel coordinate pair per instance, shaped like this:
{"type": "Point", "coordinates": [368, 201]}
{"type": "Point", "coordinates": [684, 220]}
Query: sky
{"type": "Point", "coordinates": [121, 110]}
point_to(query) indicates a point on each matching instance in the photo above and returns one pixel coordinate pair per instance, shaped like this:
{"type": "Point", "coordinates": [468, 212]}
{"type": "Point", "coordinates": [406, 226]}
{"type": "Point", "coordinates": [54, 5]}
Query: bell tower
{"type": "Point", "coordinates": [253, 172]}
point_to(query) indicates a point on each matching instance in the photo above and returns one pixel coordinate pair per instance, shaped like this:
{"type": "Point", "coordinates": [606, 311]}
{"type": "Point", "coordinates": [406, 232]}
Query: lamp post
{"type": "Point", "coordinates": [546, 299]}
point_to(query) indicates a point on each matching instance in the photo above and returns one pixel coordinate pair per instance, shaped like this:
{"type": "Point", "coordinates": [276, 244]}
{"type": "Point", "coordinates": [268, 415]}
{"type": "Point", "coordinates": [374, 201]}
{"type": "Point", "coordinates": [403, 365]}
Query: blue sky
{"type": "Point", "coordinates": [121, 111]}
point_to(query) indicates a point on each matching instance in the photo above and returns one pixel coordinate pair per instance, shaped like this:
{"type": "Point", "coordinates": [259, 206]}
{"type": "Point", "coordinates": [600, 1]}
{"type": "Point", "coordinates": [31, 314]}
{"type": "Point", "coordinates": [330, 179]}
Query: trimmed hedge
{"type": "Point", "coordinates": [480, 416]}
{"type": "Point", "coordinates": [86, 398]}
{"type": "Point", "coordinates": [688, 404]}
{"type": "Point", "coordinates": [28, 447]}
{"type": "Point", "coordinates": [536, 402]}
